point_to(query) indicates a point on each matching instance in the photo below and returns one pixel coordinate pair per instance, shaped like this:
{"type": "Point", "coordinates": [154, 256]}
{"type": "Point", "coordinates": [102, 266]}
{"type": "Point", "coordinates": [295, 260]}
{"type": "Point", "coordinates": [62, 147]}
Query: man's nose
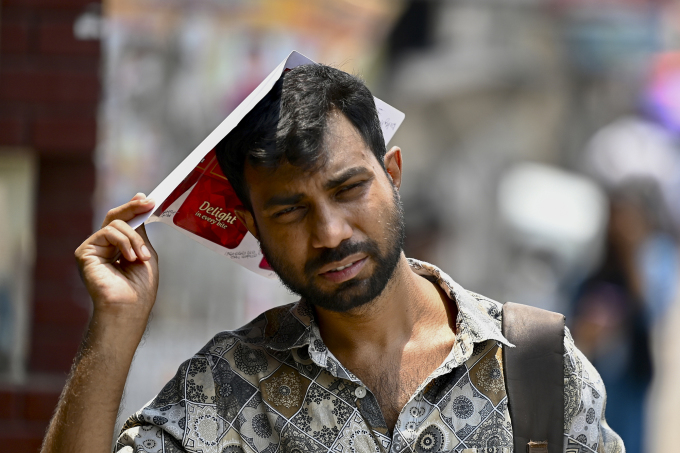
{"type": "Point", "coordinates": [329, 228]}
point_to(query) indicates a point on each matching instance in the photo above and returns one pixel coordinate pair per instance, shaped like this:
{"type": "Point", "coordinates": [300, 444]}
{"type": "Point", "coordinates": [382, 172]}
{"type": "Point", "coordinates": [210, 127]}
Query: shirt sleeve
{"type": "Point", "coordinates": [585, 400]}
{"type": "Point", "coordinates": [162, 425]}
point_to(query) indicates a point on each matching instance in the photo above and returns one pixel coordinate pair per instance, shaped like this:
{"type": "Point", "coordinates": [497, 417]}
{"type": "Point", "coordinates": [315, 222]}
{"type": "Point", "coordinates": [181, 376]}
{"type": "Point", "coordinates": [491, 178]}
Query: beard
{"type": "Point", "coordinates": [355, 292]}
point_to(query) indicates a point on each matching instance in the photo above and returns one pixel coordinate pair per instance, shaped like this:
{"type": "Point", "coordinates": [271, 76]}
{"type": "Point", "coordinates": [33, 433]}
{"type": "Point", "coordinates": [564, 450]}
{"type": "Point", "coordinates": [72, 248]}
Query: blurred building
{"type": "Point", "coordinates": [49, 99]}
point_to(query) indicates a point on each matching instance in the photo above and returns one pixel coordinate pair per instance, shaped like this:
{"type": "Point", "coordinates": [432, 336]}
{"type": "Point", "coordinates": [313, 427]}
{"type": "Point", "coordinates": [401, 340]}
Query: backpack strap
{"type": "Point", "coordinates": [534, 377]}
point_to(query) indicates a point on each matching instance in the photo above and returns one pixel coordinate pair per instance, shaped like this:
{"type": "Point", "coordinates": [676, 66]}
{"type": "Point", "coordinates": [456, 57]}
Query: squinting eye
{"type": "Point", "coordinates": [353, 186]}
{"type": "Point", "coordinates": [285, 211]}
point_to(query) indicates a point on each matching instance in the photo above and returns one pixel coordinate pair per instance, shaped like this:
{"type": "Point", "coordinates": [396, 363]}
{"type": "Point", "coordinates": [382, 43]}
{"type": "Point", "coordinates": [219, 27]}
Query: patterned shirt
{"type": "Point", "coordinates": [272, 386]}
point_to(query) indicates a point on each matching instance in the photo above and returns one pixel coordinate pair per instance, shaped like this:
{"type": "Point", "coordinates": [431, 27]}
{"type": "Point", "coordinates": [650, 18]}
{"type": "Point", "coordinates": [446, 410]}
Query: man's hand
{"type": "Point", "coordinates": [119, 266]}
{"type": "Point", "coordinates": [120, 270]}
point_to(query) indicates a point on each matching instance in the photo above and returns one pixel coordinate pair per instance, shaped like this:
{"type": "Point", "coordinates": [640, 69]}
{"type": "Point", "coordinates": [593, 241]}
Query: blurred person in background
{"type": "Point", "coordinates": [636, 158]}
{"type": "Point", "coordinates": [620, 304]}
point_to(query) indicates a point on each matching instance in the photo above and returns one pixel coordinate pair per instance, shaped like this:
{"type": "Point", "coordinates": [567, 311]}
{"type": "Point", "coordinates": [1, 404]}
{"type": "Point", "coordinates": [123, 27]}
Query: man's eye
{"type": "Point", "coordinates": [352, 187]}
{"type": "Point", "coordinates": [285, 211]}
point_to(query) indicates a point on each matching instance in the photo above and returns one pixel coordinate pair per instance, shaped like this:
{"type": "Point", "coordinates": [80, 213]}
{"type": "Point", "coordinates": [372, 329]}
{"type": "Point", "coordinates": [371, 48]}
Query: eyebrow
{"type": "Point", "coordinates": [283, 200]}
{"type": "Point", "coordinates": [344, 176]}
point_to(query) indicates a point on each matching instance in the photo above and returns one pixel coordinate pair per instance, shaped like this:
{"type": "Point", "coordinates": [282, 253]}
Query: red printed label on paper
{"type": "Point", "coordinates": [265, 265]}
{"type": "Point", "coordinates": [209, 210]}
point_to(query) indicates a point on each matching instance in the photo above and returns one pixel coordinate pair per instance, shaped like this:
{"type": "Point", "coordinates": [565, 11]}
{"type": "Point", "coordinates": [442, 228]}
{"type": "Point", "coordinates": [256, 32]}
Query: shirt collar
{"type": "Point", "coordinates": [479, 319]}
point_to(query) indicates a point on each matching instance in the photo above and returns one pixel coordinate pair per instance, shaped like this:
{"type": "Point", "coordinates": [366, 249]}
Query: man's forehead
{"type": "Point", "coordinates": [343, 149]}
{"type": "Point", "coordinates": [331, 167]}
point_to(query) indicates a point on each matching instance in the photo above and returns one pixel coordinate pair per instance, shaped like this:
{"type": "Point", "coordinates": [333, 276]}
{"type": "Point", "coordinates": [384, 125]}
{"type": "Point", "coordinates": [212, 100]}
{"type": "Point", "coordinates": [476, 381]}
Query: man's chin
{"type": "Point", "coordinates": [339, 306]}
{"type": "Point", "coordinates": [348, 296]}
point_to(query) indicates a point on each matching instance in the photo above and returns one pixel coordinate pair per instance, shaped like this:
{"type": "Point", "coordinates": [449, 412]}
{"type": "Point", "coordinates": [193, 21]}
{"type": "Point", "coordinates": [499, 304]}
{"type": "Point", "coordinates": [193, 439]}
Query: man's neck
{"type": "Point", "coordinates": [409, 305]}
{"type": "Point", "coordinates": [394, 342]}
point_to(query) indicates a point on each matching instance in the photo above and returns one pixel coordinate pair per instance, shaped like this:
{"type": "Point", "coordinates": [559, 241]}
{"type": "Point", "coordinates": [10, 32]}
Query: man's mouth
{"type": "Point", "coordinates": [341, 268]}
{"type": "Point", "coordinates": [345, 272]}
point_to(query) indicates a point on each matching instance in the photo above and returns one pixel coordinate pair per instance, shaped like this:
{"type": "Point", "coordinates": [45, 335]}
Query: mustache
{"type": "Point", "coordinates": [341, 252]}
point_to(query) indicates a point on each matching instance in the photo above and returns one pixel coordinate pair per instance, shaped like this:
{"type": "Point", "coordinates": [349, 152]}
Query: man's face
{"type": "Point", "coordinates": [333, 235]}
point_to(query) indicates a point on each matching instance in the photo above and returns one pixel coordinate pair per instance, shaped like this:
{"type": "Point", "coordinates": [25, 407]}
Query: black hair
{"type": "Point", "coordinates": [289, 123]}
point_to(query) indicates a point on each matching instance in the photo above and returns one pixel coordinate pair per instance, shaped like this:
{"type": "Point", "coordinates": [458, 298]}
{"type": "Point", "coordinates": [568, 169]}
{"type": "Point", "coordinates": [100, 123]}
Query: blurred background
{"type": "Point", "coordinates": [541, 154]}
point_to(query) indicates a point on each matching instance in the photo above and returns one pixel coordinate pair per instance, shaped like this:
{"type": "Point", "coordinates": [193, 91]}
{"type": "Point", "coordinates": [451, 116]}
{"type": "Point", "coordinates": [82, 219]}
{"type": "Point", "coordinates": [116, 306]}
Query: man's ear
{"type": "Point", "coordinates": [246, 217]}
{"type": "Point", "coordinates": [393, 165]}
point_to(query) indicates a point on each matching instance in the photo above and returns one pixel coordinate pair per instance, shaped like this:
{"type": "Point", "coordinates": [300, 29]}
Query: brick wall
{"type": "Point", "coordinates": [49, 94]}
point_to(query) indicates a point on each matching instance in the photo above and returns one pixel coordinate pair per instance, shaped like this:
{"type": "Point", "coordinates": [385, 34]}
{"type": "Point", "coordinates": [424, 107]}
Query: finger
{"type": "Point", "coordinates": [137, 242]}
{"type": "Point", "coordinates": [110, 235]}
{"type": "Point", "coordinates": [141, 230]}
{"type": "Point", "coordinates": [129, 210]}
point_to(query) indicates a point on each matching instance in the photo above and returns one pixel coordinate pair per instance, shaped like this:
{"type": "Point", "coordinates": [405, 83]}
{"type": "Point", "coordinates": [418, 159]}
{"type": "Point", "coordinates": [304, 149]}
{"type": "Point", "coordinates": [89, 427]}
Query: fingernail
{"type": "Point", "coordinates": [148, 201]}
{"type": "Point", "coordinates": [145, 252]}
{"type": "Point", "coordinates": [133, 254]}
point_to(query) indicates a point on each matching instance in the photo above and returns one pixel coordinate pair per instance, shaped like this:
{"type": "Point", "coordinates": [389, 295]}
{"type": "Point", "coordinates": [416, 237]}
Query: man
{"type": "Point", "coordinates": [381, 353]}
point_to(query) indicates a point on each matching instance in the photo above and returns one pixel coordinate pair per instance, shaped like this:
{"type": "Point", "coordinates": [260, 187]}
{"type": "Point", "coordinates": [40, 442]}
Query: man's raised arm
{"type": "Point", "coordinates": [120, 270]}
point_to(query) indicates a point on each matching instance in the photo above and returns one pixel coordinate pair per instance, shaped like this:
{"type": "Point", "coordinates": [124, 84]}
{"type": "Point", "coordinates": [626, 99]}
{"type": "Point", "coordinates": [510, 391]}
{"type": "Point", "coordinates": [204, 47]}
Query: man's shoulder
{"type": "Point", "coordinates": [222, 376]}
{"type": "Point", "coordinates": [584, 404]}
{"type": "Point", "coordinates": [279, 328]}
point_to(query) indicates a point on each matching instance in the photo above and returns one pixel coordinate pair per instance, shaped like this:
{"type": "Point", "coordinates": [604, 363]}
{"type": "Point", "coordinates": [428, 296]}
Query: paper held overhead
{"type": "Point", "coordinates": [196, 198]}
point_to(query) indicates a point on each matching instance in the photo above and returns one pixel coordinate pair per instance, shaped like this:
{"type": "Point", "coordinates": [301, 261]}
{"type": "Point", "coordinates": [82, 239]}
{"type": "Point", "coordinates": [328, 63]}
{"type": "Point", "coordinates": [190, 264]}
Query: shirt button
{"type": "Point", "coordinates": [360, 392]}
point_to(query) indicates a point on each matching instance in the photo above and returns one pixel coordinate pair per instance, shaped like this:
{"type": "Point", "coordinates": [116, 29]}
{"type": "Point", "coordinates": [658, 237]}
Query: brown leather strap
{"type": "Point", "coordinates": [537, 447]}
{"type": "Point", "coordinates": [534, 377]}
